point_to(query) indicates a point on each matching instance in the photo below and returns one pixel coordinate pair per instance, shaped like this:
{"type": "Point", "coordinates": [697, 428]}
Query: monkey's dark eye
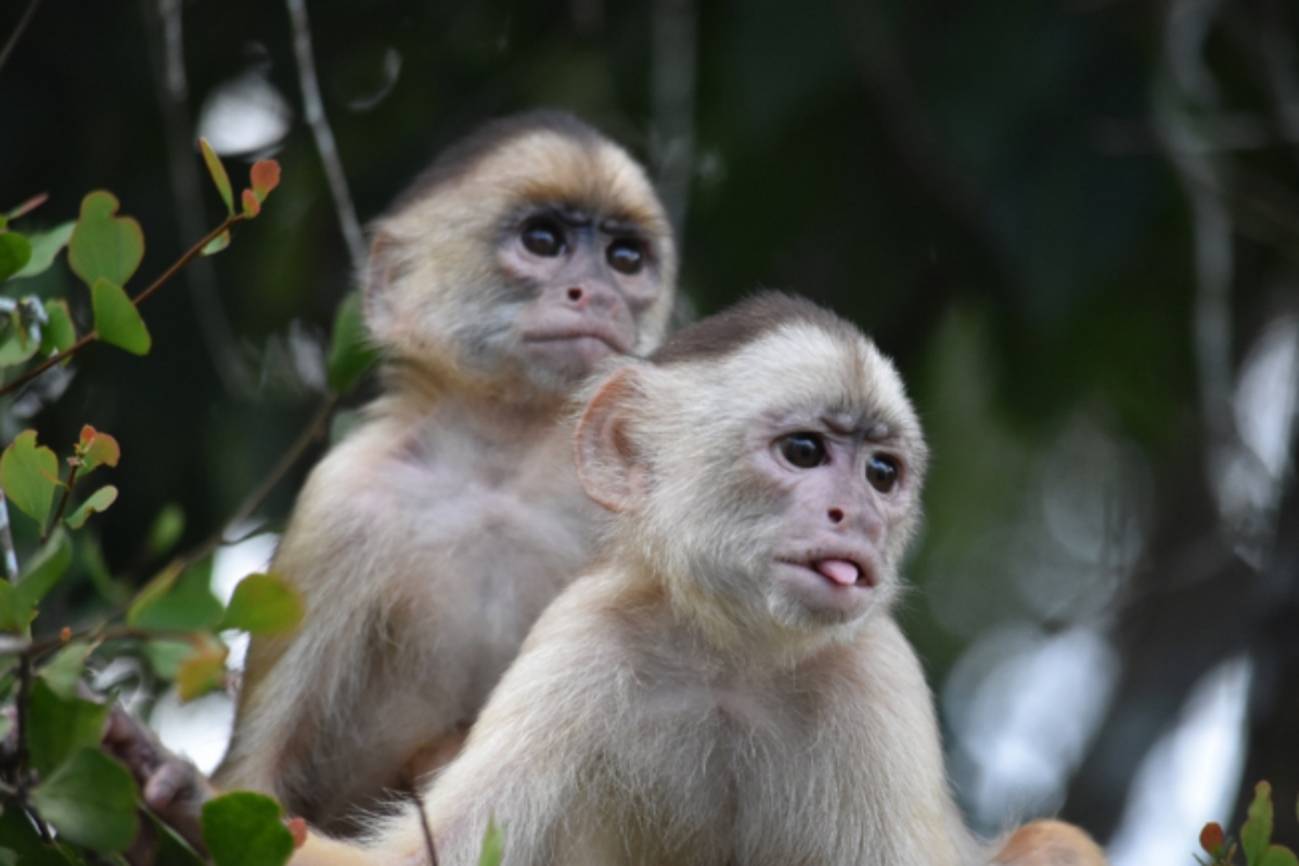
{"type": "Point", "coordinates": [882, 472]}
{"type": "Point", "coordinates": [803, 450]}
{"type": "Point", "coordinates": [542, 237]}
{"type": "Point", "coordinates": [626, 256]}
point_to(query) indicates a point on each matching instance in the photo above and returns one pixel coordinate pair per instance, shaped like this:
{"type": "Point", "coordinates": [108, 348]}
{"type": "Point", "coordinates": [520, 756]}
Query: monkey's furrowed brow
{"type": "Point", "coordinates": [618, 226]}
{"type": "Point", "coordinates": [847, 423]}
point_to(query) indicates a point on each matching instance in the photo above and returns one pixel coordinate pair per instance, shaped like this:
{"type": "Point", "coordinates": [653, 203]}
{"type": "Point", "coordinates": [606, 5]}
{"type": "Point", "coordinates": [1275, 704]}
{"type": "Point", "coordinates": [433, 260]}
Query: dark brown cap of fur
{"type": "Point", "coordinates": [459, 158]}
{"type": "Point", "coordinates": [749, 320]}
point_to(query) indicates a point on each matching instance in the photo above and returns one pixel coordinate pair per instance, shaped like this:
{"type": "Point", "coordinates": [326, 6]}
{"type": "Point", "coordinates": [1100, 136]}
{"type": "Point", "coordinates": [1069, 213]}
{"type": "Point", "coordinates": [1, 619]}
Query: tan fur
{"type": "Point", "coordinates": [427, 543]}
{"type": "Point", "coordinates": [666, 710]}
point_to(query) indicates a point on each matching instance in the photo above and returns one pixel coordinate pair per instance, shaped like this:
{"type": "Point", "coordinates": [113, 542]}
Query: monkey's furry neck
{"type": "Point", "coordinates": [499, 414]}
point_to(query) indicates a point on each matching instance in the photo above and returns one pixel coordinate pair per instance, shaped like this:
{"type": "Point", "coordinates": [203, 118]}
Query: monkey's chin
{"type": "Point", "coordinates": [569, 358]}
{"type": "Point", "coordinates": [807, 597]}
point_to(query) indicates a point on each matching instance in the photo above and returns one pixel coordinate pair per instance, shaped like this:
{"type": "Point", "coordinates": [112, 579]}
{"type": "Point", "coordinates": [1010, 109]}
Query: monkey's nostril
{"type": "Point", "coordinates": [835, 515]}
{"type": "Point", "coordinates": [575, 294]}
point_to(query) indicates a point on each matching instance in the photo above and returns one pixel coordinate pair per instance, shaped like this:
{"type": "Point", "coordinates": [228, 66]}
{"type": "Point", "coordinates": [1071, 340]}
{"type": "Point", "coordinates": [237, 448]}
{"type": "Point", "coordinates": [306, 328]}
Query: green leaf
{"type": "Point", "coordinates": [1256, 832]}
{"type": "Point", "coordinates": [8, 858]}
{"type": "Point", "coordinates": [95, 503]}
{"type": "Point", "coordinates": [63, 672]}
{"type": "Point", "coordinates": [18, 601]}
{"type": "Point", "coordinates": [166, 530]}
{"type": "Point", "coordinates": [104, 246]}
{"type": "Point", "coordinates": [1278, 855]}
{"type": "Point", "coordinates": [217, 244]}
{"type": "Point", "coordinates": [246, 829]}
{"type": "Point", "coordinates": [264, 604]}
{"type": "Point", "coordinates": [42, 572]}
{"type": "Point", "coordinates": [218, 173]}
{"type": "Point", "coordinates": [90, 800]}
{"type": "Point", "coordinates": [204, 670]}
{"type": "Point", "coordinates": [173, 602]}
{"type": "Point", "coordinates": [45, 247]}
{"type": "Point", "coordinates": [350, 353]}
{"type": "Point", "coordinates": [15, 251]}
{"type": "Point", "coordinates": [60, 333]}
{"type": "Point", "coordinates": [172, 850]}
{"type": "Point", "coordinates": [166, 656]}
{"type": "Point", "coordinates": [29, 474]}
{"type": "Point", "coordinates": [59, 726]}
{"type": "Point", "coordinates": [117, 320]}
{"type": "Point", "coordinates": [16, 343]}
{"type": "Point", "coordinates": [17, 834]}
{"type": "Point", "coordinates": [492, 849]}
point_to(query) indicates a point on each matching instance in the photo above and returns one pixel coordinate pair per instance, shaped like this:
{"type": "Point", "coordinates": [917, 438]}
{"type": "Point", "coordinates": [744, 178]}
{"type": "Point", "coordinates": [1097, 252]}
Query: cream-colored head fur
{"type": "Point", "coordinates": [433, 291]}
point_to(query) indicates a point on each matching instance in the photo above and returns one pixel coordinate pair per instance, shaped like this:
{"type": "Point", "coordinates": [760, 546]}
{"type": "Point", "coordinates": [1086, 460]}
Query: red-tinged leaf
{"type": "Point", "coordinates": [217, 244]}
{"type": "Point", "coordinates": [104, 246]}
{"type": "Point", "coordinates": [252, 207]}
{"type": "Point", "coordinates": [204, 671]}
{"type": "Point", "coordinates": [265, 176]}
{"type": "Point", "coordinates": [1212, 837]}
{"type": "Point", "coordinates": [28, 206]}
{"type": "Point", "coordinates": [96, 449]}
{"type": "Point", "coordinates": [298, 830]}
{"type": "Point", "coordinates": [218, 173]}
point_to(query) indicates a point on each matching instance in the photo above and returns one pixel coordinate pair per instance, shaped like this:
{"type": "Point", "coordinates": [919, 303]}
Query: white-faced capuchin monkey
{"type": "Point", "coordinates": [728, 685]}
{"type": "Point", "coordinates": [429, 540]}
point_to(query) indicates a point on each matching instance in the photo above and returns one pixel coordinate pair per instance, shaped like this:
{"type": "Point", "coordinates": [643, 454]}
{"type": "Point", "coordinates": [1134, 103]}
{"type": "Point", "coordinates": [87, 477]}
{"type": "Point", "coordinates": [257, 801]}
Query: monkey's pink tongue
{"type": "Point", "coordinates": [841, 571]}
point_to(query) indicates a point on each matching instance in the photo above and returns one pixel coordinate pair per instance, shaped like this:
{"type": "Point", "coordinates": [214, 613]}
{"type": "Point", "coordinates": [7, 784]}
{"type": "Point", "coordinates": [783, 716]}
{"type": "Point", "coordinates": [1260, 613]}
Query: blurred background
{"type": "Point", "coordinates": [1074, 224]}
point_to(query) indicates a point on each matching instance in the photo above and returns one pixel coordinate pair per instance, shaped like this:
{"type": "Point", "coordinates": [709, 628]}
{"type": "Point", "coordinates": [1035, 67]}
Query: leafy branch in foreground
{"type": "Point", "coordinates": [64, 799]}
{"type": "Point", "coordinates": [1255, 837]}
{"type": "Point", "coordinates": [104, 251]}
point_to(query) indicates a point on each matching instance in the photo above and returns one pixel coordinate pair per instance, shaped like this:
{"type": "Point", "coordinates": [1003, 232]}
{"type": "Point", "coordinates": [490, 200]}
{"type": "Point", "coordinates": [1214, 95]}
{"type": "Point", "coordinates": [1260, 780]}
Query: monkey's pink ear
{"type": "Point", "coordinates": [608, 466]}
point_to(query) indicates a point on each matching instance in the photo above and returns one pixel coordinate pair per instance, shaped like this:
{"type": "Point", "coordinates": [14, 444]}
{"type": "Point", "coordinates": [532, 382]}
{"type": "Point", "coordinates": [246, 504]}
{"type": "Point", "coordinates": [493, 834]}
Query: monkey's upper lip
{"type": "Point", "coordinates": [840, 567]}
{"type": "Point", "coordinates": [576, 332]}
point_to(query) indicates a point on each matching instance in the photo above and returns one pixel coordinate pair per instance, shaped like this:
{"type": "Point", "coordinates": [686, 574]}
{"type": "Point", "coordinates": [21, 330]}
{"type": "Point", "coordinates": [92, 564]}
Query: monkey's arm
{"type": "Point", "coordinates": [527, 765]}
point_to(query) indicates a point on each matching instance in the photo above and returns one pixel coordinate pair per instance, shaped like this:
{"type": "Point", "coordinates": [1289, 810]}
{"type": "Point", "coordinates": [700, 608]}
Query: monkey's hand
{"type": "Point", "coordinates": [1051, 843]}
{"type": "Point", "coordinates": [171, 786]}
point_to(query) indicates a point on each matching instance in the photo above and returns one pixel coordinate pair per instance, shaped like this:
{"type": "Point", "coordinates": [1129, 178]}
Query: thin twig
{"type": "Point", "coordinates": [7, 549]}
{"type": "Point", "coordinates": [173, 99]}
{"type": "Point", "coordinates": [91, 336]}
{"type": "Point", "coordinates": [314, 429]}
{"type": "Point", "coordinates": [674, 56]}
{"type": "Point", "coordinates": [412, 789]}
{"type": "Point", "coordinates": [23, 778]}
{"type": "Point", "coordinates": [63, 502]}
{"type": "Point", "coordinates": [18, 31]}
{"type": "Point", "coordinates": [314, 110]}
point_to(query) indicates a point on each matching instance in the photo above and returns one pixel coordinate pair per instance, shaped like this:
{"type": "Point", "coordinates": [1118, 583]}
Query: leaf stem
{"type": "Point", "coordinates": [91, 336]}
{"type": "Point", "coordinates": [63, 501]}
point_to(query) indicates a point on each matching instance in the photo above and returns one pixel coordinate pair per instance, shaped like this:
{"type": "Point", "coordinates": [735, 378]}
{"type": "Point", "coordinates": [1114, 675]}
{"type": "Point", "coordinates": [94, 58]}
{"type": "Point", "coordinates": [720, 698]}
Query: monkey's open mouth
{"type": "Point", "coordinates": [838, 571]}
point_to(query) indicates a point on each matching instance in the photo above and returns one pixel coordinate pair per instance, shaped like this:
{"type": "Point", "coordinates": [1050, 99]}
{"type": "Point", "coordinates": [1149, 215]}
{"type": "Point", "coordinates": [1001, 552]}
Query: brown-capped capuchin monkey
{"type": "Point", "coordinates": [430, 539]}
{"type": "Point", "coordinates": [728, 685]}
